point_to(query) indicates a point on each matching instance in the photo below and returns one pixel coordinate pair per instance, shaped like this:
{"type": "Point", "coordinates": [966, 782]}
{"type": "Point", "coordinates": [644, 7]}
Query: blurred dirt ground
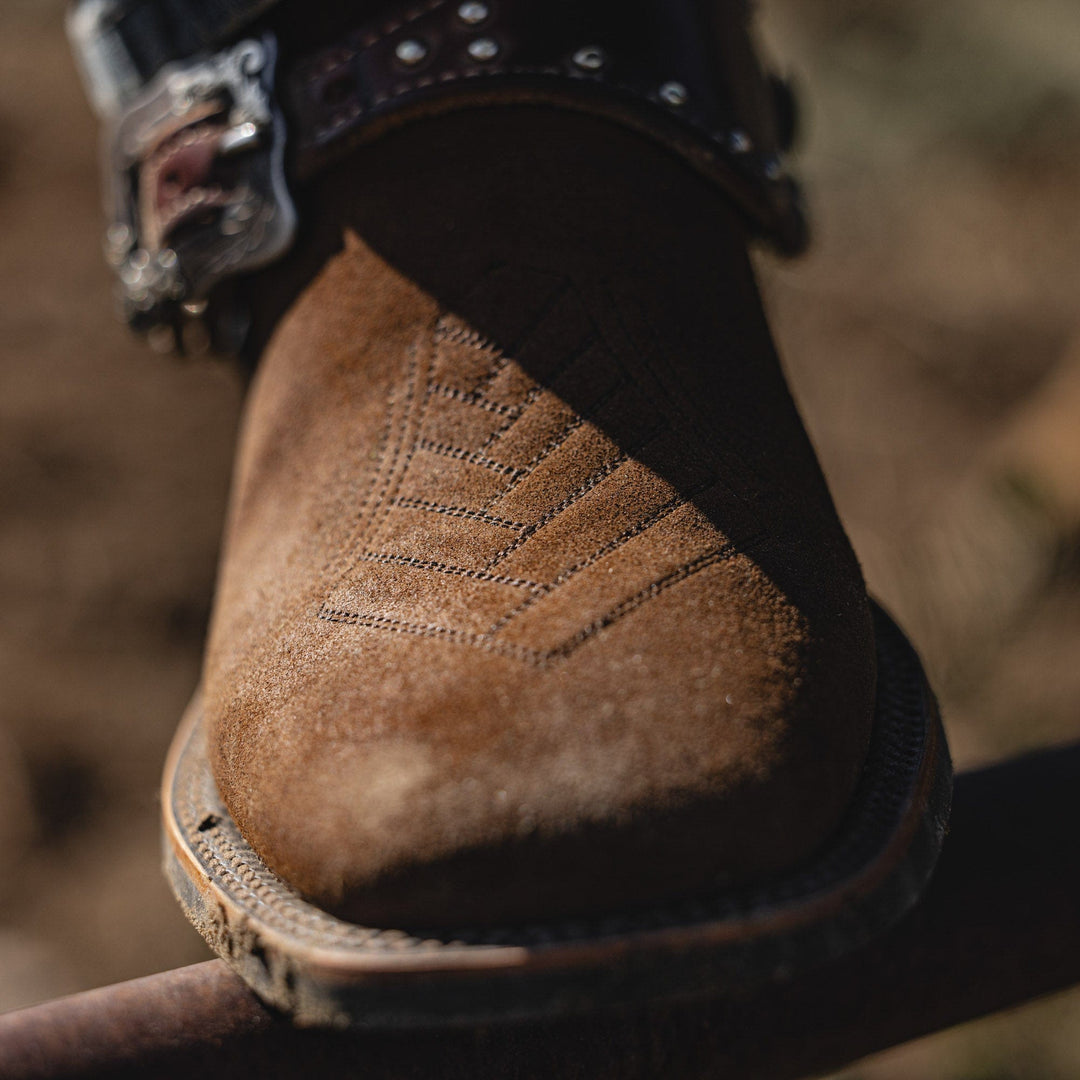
{"type": "Point", "coordinates": [932, 340]}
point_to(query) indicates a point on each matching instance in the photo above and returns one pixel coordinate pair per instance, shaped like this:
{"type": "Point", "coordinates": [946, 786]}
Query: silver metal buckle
{"type": "Point", "coordinates": [197, 184]}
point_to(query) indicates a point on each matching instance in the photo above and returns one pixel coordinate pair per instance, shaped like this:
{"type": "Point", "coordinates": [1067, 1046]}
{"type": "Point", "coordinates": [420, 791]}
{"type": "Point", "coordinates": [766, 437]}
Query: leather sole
{"type": "Point", "coordinates": [322, 970]}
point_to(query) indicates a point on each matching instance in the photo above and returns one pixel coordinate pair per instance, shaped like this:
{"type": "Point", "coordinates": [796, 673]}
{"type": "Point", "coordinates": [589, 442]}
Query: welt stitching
{"type": "Point", "coordinates": [457, 511]}
{"type": "Point", "coordinates": [447, 568]}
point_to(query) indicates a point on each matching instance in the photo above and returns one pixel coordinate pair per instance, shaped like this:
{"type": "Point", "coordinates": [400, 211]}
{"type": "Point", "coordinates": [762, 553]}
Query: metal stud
{"type": "Point", "coordinates": [773, 169]}
{"type": "Point", "coordinates": [484, 48]}
{"type": "Point", "coordinates": [411, 52]}
{"type": "Point", "coordinates": [674, 93]}
{"type": "Point", "coordinates": [740, 142]}
{"type": "Point", "coordinates": [473, 12]}
{"type": "Point", "coordinates": [590, 58]}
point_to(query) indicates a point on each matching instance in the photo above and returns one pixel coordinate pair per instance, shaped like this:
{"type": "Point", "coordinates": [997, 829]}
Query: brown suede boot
{"type": "Point", "coordinates": [541, 673]}
{"type": "Point", "coordinates": [530, 563]}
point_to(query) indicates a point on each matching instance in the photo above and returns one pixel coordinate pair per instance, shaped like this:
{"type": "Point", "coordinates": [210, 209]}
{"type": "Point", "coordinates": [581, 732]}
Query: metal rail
{"type": "Point", "coordinates": [998, 926]}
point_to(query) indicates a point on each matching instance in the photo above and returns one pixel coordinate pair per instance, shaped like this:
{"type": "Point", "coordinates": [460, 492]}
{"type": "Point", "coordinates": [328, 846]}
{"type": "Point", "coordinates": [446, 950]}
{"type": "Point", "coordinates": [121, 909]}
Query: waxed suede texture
{"type": "Point", "coordinates": [533, 602]}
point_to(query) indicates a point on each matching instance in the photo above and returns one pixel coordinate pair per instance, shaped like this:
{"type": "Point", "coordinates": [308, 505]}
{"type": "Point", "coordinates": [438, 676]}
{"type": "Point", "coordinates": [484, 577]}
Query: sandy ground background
{"type": "Point", "coordinates": [932, 339]}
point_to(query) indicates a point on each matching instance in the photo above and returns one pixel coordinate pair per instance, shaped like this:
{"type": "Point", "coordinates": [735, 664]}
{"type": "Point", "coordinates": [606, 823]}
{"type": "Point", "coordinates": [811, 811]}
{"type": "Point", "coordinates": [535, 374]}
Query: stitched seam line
{"type": "Point", "coordinates": [646, 523]}
{"type": "Point", "coordinates": [633, 602]}
{"type": "Point", "coordinates": [597, 477]}
{"type": "Point", "coordinates": [512, 418]}
{"type": "Point", "coordinates": [447, 568]}
{"type": "Point", "coordinates": [529, 530]}
{"type": "Point", "coordinates": [400, 626]}
{"type": "Point", "coordinates": [388, 462]}
{"type": "Point", "coordinates": [335, 562]}
{"type": "Point", "coordinates": [530, 466]}
{"type": "Point", "coordinates": [459, 453]}
{"type": "Point", "coordinates": [474, 399]}
{"type": "Point", "coordinates": [423, 82]}
{"type": "Point", "coordinates": [537, 389]}
{"type": "Point", "coordinates": [447, 334]}
{"type": "Point", "coordinates": [553, 444]}
{"type": "Point", "coordinates": [401, 465]}
{"type": "Point", "coordinates": [457, 511]}
{"type": "Point", "coordinates": [460, 335]}
{"type": "Point", "coordinates": [532, 656]}
{"type": "Point", "coordinates": [392, 27]}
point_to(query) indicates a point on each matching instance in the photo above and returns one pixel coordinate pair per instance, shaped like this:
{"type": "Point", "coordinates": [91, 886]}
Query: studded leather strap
{"type": "Point", "coordinates": [678, 70]}
{"type": "Point", "coordinates": [266, 73]}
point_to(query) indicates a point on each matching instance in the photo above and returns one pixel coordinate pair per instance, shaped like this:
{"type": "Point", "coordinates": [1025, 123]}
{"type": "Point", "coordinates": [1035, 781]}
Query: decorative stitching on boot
{"type": "Point", "coordinates": [532, 464]}
{"type": "Point", "coordinates": [474, 399]}
{"type": "Point", "coordinates": [402, 626]}
{"type": "Point", "coordinates": [448, 332]}
{"type": "Point", "coordinates": [446, 568]}
{"type": "Point", "coordinates": [537, 391]}
{"type": "Point", "coordinates": [648, 593]}
{"type": "Point", "coordinates": [367, 516]}
{"type": "Point", "coordinates": [602, 473]}
{"type": "Point", "coordinates": [398, 479]}
{"type": "Point", "coordinates": [533, 656]}
{"type": "Point", "coordinates": [335, 562]}
{"type": "Point", "coordinates": [397, 474]}
{"type": "Point", "coordinates": [596, 478]}
{"type": "Point", "coordinates": [456, 511]}
{"type": "Point", "coordinates": [459, 453]}
{"type": "Point", "coordinates": [646, 523]}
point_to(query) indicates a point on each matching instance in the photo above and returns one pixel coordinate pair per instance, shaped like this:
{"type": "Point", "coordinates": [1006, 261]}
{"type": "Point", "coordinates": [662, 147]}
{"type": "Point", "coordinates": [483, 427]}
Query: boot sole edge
{"type": "Point", "coordinates": [324, 971]}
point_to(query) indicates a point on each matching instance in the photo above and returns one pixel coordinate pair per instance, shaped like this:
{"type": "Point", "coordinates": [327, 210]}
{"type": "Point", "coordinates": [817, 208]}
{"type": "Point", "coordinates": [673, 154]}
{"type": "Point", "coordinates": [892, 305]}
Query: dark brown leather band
{"type": "Point", "coordinates": [680, 71]}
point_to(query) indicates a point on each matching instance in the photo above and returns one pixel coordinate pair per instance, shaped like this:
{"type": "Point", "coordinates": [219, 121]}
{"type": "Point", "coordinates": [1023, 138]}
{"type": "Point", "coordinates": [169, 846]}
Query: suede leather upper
{"type": "Point", "coordinates": [533, 600]}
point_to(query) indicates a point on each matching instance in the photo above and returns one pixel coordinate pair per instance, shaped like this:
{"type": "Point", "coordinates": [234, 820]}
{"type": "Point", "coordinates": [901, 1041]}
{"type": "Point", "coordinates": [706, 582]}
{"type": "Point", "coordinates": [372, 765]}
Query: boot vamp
{"type": "Point", "coordinates": [517, 629]}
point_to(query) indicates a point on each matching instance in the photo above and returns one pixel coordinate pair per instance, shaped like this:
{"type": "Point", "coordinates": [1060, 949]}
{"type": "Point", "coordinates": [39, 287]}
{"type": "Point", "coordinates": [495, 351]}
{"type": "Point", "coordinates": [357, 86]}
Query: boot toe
{"type": "Point", "coordinates": [397, 780]}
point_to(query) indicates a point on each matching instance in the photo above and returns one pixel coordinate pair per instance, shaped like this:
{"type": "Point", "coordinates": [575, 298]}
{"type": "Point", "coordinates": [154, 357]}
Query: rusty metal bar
{"type": "Point", "coordinates": [998, 926]}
